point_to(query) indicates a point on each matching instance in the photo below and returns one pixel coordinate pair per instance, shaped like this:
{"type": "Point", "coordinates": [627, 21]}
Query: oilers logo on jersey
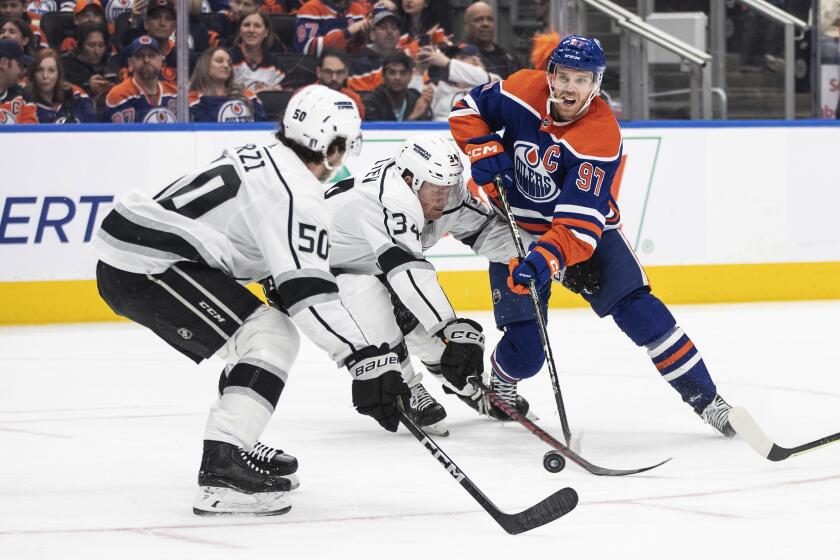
{"type": "Point", "coordinates": [115, 8]}
{"type": "Point", "coordinates": [7, 117]}
{"type": "Point", "coordinates": [234, 111]}
{"type": "Point", "coordinates": [533, 180]}
{"type": "Point", "coordinates": [159, 115]}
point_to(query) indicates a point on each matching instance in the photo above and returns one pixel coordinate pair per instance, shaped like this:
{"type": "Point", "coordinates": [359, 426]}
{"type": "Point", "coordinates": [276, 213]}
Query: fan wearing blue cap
{"type": "Point", "coordinates": [15, 105]}
{"type": "Point", "coordinates": [557, 148]}
{"type": "Point", "coordinates": [143, 96]}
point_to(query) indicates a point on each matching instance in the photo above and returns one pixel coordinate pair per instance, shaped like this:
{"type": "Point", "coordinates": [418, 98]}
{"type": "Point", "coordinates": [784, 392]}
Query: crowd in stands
{"type": "Point", "coordinates": [70, 61]}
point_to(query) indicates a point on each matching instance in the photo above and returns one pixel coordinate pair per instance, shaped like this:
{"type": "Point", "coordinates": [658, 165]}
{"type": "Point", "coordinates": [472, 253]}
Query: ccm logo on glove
{"type": "Point", "coordinates": [466, 336]}
{"type": "Point", "coordinates": [478, 152]}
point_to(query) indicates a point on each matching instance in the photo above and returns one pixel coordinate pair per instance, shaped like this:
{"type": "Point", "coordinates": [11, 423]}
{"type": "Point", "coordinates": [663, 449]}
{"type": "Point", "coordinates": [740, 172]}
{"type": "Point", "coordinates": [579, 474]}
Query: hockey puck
{"type": "Point", "coordinates": [553, 461]}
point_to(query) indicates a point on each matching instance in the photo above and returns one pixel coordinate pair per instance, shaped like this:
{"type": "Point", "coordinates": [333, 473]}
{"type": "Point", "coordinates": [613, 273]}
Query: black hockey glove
{"type": "Point", "coordinates": [378, 385]}
{"type": "Point", "coordinates": [583, 278]}
{"type": "Point", "coordinates": [463, 356]}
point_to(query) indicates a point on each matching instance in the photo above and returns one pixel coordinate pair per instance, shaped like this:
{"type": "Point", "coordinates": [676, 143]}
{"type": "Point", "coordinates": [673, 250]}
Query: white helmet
{"type": "Point", "coordinates": [432, 158]}
{"type": "Point", "coordinates": [317, 115]}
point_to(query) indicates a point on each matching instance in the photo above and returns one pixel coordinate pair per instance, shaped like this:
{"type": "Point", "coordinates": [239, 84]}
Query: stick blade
{"type": "Point", "coordinates": [554, 507]}
{"type": "Point", "coordinates": [747, 429]}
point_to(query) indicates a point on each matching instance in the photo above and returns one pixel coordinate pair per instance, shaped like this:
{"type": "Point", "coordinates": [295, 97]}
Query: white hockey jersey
{"type": "Point", "coordinates": [255, 212]}
{"type": "Point", "coordinates": [378, 228]}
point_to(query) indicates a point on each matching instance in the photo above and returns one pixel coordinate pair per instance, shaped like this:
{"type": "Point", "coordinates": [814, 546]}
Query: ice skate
{"type": "Point", "coordinates": [230, 483]}
{"type": "Point", "coordinates": [716, 414]}
{"type": "Point", "coordinates": [507, 392]}
{"type": "Point", "coordinates": [476, 401]}
{"type": "Point", "coordinates": [275, 461]}
{"type": "Point", "coordinates": [425, 411]}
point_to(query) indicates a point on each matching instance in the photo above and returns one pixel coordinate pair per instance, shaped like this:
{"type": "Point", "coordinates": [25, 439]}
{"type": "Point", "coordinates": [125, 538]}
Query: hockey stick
{"type": "Point", "coordinates": [540, 433]}
{"type": "Point", "coordinates": [747, 428]}
{"type": "Point", "coordinates": [555, 506]}
{"type": "Point", "coordinates": [535, 297]}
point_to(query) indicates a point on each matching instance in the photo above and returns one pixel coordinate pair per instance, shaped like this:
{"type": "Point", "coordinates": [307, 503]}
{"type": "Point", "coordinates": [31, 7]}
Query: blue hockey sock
{"type": "Point", "coordinates": [647, 322]}
{"type": "Point", "coordinates": [680, 364]}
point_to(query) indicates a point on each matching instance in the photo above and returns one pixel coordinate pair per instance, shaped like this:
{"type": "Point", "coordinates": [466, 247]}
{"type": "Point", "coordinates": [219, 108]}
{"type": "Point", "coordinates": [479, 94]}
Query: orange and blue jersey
{"type": "Point", "coordinates": [319, 25]}
{"type": "Point", "coordinates": [216, 108]}
{"type": "Point", "coordinates": [16, 107]}
{"type": "Point", "coordinates": [76, 107]}
{"type": "Point", "coordinates": [128, 103]}
{"type": "Point", "coordinates": [563, 172]}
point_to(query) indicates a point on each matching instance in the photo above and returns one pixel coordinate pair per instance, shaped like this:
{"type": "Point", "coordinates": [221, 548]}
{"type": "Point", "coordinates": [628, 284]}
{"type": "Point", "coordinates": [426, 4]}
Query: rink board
{"type": "Point", "coordinates": [717, 211]}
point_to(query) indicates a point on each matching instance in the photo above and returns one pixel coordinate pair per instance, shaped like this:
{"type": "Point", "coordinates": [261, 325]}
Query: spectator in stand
{"type": "Point", "coordinates": [216, 97]}
{"type": "Point", "coordinates": [159, 24]}
{"type": "Point", "coordinates": [201, 38]}
{"type": "Point", "coordinates": [454, 77]}
{"type": "Point", "coordinates": [420, 26]}
{"type": "Point", "coordinates": [254, 65]}
{"type": "Point", "coordinates": [479, 30]}
{"type": "Point", "coordinates": [17, 30]}
{"type": "Point", "coordinates": [15, 105]}
{"type": "Point", "coordinates": [143, 96]}
{"type": "Point", "coordinates": [10, 9]}
{"type": "Point", "coordinates": [335, 24]}
{"type": "Point", "coordinates": [332, 72]}
{"type": "Point", "coordinates": [58, 101]}
{"type": "Point", "coordinates": [37, 8]}
{"type": "Point", "coordinates": [394, 100]}
{"type": "Point", "coordinates": [228, 22]}
{"type": "Point", "coordinates": [85, 12]}
{"type": "Point", "coordinates": [278, 7]}
{"type": "Point", "coordinates": [542, 11]}
{"type": "Point", "coordinates": [87, 65]}
{"type": "Point", "coordinates": [366, 67]}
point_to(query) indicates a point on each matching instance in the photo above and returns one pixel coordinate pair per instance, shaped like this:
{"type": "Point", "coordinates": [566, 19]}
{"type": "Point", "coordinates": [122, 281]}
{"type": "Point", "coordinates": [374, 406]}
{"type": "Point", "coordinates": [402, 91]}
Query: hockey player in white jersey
{"type": "Point", "coordinates": [177, 264]}
{"type": "Point", "coordinates": [383, 221]}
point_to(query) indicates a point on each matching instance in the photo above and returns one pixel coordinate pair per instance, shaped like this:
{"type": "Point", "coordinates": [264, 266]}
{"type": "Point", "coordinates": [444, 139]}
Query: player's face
{"type": "Point", "coordinates": [11, 8]}
{"type": "Point", "coordinates": [94, 47]}
{"type": "Point", "coordinates": [332, 73]}
{"type": "Point", "coordinates": [433, 199]}
{"type": "Point", "coordinates": [220, 66]}
{"type": "Point", "coordinates": [46, 75]}
{"type": "Point", "coordinates": [160, 24]}
{"type": "Point", "coordinates": [572, 87]}
{"type": "Point", "coordinates": [253, 30]}
{"type": "Point", "coordinates": [241, 8]}
{"type": "Point", "coordinates": [147, 64]}
{"type": "Point", "coordinates": [91, 14]}
{"type": "Point", "coordinates": [385, 35]}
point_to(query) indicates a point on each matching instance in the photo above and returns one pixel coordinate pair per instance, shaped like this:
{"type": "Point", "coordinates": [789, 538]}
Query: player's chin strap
{"type": "Point", "coordinates": [554, 99]}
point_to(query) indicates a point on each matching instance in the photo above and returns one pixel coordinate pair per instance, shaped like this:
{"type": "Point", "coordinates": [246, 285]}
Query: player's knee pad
{"type": "Point", "coordinates": [642, 317]}
{"type": "Point", "coordinates": [268, 339]}
{"type": "Point", "coordinates": [519, 354]}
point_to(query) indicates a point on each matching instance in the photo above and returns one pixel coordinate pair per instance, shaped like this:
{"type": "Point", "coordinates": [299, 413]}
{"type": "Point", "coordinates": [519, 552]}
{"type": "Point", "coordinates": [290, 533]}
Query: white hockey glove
{"type": "Point", "coordinates": [463, 356]}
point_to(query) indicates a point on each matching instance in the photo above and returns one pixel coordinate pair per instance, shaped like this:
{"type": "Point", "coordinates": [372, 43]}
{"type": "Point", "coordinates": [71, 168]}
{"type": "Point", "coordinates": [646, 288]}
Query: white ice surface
{"type": "Point", "coordinates": [101, 428]}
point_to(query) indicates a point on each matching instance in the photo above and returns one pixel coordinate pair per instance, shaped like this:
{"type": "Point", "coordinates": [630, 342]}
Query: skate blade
{"type": "Point", "coordinates": [439, 429]}
{"type": "Point", "coordinates": [531, 416]}
{"type": "Point", "coordinates": [213, 500]}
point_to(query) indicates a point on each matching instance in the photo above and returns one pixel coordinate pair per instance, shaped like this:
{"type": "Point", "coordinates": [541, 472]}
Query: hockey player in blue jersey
{"type": "Point", "coordinates": [557, 155]}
